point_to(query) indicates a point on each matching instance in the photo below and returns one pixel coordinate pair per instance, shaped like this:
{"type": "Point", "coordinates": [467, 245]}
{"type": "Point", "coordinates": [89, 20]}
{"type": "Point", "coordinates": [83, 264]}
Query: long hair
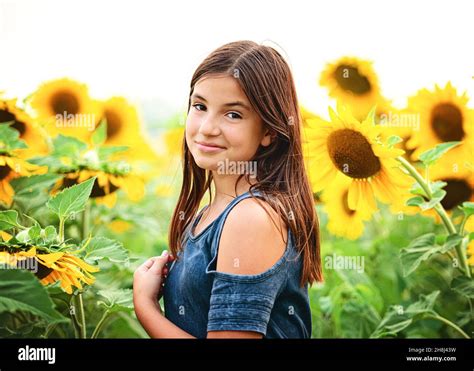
{"type": "Point", "coordinates": [266, 79]}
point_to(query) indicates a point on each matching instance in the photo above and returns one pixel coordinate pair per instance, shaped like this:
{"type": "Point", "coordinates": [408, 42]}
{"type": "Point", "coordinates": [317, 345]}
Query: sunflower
{"type": "Point", "coordinates": [64, 267]}
{"type": "Point", "coordinates": [459, 188]}
{"type": "Point", "coordinates": [348, 149]}
{"type": "Point", "coordinates": [124, 129]}
{"type": "Point", "coordinates": [105, 186]}
{"type": "Point", "coordinates": [64, 106]}
{"type": "Point", "coordinates": [459, 184]}
{"type": "Point", "coordinates": [353, 83]}
{"type": "Point", "coordinates": [343, 221]}
{"type": "Point", "coordinates": [25, 126]}
{"type": "Point", "coordinates": [444, 117]}
{"type": "Point", "coordinates": [13, 167]}
{"type": "Point", "coordinates": [119, 226]}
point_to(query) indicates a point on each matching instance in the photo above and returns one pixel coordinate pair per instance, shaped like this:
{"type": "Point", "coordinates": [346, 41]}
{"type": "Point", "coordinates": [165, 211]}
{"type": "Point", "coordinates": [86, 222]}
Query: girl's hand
{"type": "Point", "coordinates": [149, 278]}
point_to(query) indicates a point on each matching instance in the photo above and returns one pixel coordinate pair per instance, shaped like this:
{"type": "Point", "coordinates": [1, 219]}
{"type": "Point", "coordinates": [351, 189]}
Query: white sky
{"type": "Point", "coordinates": [148, 50]}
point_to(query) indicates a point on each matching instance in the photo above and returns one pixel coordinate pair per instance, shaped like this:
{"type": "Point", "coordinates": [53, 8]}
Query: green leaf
{"type": "Point", "coordinates": [68, 147]}
{"type": "Point", "coordinates": [464, 286]}
{"type": "Point", "coordinates": [415, 201]}
{"type": "Point", "coordinates": [50, 234]}
{"type": "Point", "coordinates": [117, 300]}
{"type": "Point", "coordinates": [416, 188]}
{"type": "Point", "coordinates": [397, 318]}
{"type": "Point", "coordinates": [468, 208]}
{"type": "Point", "coordinates": [421, 249]}
{"type": "Point", "coordinates": [10, 138]}
{"type": "Point", "coordinates": [424, 305]}
{"type": "Point", "coordinates": [20, 290]}
{"type": "Point", "coordinates": [34, 232]}
{"type": "Point", "coordinates": [31, 184]}
{"type": "Point", "coordinates": [9, 220]}
{"type": "Point", "coordinates": [419, 201]}
{"type": "Point", "coordinates": [104, 248]}
{"type": "Point", "coordinates": [71, 200]}
{"type": "Point", "coordinates": [430, 156]}
{"type": "Point", "coordinates": [23, 236]}
{"type": "Point", "coordinates": [100, 134]}
{"type": "Point", "coordinates": [451, 241]}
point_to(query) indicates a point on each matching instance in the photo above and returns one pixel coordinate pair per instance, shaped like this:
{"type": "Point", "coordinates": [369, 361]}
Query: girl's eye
{"type": "Point", "coordinates": [234, 115]}
{"type": "Point", "coordinates": [199, 106]}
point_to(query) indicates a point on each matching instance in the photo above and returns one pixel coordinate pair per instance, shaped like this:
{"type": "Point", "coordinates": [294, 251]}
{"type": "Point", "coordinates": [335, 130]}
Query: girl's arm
{"type": "Point", "coordinates": [158, 326]}
{"type": "Point", "coordinates": [147, 289]}
{"type": "Point", "coordinates": [155, 323]}
{"type": "Point", "coordinates": [147, 282]}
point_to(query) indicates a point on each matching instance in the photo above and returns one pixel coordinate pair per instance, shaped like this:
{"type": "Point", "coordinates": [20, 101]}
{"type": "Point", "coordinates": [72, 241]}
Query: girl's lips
{"type": "Point", "coordinates": [208, 148]}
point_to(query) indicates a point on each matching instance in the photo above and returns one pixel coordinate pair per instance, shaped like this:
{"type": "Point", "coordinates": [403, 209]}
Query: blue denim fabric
{"type": "Point", "coordinates": [199, 299]}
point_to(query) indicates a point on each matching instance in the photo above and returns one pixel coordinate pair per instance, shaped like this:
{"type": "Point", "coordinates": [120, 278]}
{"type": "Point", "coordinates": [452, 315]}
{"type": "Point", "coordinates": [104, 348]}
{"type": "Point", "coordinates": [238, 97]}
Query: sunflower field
{"type": "Point", "coordinates": [87, 191]}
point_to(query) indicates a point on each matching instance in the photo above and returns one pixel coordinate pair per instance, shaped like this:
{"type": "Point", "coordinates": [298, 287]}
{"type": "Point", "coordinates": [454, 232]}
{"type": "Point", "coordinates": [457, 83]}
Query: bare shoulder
{"type": "Point", "coordinates": [251, 240]}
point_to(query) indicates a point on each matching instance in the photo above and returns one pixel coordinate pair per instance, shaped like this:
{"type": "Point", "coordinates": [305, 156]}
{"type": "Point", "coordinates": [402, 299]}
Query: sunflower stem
{"type": "Point", "coordinates": [85, 221]}
{"type": "Point", "coordinates": [79, 305]}
{"type": "Point", "coordinates": [449, 323]}
{"type": "Point", "coordinates": [75, 322]}
{"type": "Point", "coordinates": [463, 224]}
{"type": "Point", "coordinates": [61, 230]}
{"type": "Point", "coordinates": [100, 324]}
{"type": "Point", "coordinates": [441, 212]}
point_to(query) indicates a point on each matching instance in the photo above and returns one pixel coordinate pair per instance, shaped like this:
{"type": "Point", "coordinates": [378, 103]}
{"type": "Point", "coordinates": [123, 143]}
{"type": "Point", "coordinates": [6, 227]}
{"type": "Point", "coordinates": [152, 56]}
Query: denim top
{"type": "Point", "coordinates": [198, 299]}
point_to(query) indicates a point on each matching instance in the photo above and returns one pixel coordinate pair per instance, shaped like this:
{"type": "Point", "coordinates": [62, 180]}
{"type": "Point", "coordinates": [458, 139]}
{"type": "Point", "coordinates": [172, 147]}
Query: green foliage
{"type": "Point", "coordinates": [430, 156]}
{"type": "Point", "coordinates": [397, 318]}
{"type": "Point", "coordinates": [21, 291]}
{"type": "Point", "coordinates": [71, 200]}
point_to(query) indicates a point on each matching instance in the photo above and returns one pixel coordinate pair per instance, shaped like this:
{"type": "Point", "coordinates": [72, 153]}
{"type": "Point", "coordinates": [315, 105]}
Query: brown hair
{"type": "Point", "coordinates": [267, 81]}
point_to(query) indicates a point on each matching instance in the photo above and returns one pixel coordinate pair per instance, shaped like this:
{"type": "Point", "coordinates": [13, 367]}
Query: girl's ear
{"type": "Point", "coordinates": [268, 138]}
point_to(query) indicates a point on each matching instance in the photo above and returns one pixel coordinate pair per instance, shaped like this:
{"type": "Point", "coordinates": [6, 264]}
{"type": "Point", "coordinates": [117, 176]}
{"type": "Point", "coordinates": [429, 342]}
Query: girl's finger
{"type": "Point", "coordinates": [159, 264]}
{"type": "Point", "coordinates": [147, 264]}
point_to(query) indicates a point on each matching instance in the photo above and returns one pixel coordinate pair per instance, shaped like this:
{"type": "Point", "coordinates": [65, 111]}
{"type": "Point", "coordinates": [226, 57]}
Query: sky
{"type": "Point", "coordinates": [148, 50]}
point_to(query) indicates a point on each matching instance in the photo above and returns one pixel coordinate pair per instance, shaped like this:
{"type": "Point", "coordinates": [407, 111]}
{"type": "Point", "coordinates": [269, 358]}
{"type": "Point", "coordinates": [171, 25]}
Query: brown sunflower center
{"type": "Point", "coordinates": [345, 204]}
{"type": "Point", "coordinates": [39, 270]}
{"type": "Point", "coordinates": [457, 191]}
{"type": "Point", "coordinates": [352, 154]}
{"type": "Point", "coordinates": [349, 78]}
{"type": "Point", "coordinates": [97, 190]}
{"type": "Point", "coordinates": [6, 116]}
{"type": "Point", "coordinates": [114, 123]}
{"type": "Point", "coordinates": [64, 101]}
{"type": "Point", "coordinates": [446, 121]}
{"type": "Point", "coordinates": [4, 171]}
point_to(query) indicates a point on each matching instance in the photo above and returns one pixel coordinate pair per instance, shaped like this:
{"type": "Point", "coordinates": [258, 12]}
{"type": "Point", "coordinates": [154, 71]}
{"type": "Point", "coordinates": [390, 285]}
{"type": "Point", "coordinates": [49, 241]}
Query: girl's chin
{"type": "Point", "coordinates": [207, 164]}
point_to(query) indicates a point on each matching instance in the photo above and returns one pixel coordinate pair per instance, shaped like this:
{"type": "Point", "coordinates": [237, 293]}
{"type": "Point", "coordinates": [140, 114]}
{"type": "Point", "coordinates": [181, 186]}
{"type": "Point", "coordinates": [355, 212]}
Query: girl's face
{"type": "Point", "coordinates": [221, 123]}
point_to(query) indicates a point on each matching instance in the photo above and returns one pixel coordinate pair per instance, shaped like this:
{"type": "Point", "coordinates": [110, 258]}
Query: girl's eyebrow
{"type": "Point", "coordinates": [230, 104]}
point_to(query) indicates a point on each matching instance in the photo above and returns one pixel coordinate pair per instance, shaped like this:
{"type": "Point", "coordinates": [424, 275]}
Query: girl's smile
{"type": "Point", "coordinates": [209, 147]}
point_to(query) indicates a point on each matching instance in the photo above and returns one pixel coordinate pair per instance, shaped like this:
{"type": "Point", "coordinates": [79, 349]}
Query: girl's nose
{"type": "Point", "coordinates": [209, 127]}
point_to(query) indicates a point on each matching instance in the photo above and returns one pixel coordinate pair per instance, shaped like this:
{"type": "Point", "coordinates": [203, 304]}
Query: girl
{"type": "Point", "coordinates": [244, 262]}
